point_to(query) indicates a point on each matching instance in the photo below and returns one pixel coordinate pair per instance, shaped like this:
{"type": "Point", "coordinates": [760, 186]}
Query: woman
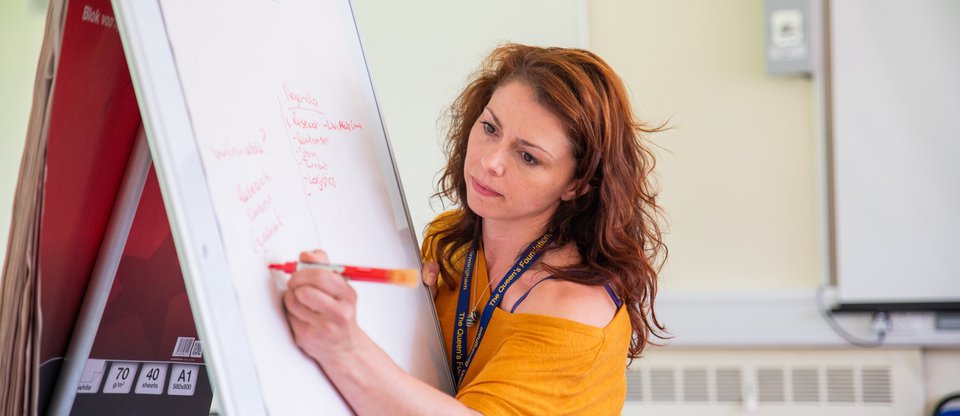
{"type": "Point", "coordinates": [552, 255]}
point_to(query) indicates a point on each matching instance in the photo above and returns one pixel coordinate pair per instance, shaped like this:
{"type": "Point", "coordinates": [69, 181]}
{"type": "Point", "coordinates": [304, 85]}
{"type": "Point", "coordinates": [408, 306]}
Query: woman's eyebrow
{"type": "Point", "coordinates": [522, 142]}
{"type": "Point", "coordinates": [495, 118]}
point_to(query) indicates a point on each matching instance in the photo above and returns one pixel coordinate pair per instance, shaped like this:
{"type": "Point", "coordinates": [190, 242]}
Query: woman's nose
{"type": "Point", "coordinates": [494, 159]}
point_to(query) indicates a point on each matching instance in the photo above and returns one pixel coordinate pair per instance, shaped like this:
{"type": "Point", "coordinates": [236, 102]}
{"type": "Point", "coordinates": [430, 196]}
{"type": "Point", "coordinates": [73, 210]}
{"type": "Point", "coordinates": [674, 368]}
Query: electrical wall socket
{"type": "Point", "coordinates": [788, 42]}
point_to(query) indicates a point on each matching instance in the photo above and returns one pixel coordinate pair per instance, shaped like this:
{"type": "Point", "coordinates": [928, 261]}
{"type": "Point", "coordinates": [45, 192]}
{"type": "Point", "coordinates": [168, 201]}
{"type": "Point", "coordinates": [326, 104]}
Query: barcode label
{"type": "Point", "coordinates": [197, 350]}
{"type": "Point", "coordinates": [184, 347]}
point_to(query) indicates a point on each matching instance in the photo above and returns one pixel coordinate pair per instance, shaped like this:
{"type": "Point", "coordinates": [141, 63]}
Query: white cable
{"type": "Point", "coordinates": [880, 324]}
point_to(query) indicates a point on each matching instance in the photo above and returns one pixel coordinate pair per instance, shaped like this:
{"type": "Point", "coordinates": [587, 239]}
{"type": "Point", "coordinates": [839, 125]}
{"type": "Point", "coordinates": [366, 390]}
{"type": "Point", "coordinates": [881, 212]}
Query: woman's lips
{"type": "Point", "coordinates": [483, 190]}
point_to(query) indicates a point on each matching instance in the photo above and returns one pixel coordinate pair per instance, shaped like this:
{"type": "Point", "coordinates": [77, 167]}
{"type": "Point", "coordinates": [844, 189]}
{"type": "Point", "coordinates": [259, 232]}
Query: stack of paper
{"type": "Point", "coordinates": [19, 288]}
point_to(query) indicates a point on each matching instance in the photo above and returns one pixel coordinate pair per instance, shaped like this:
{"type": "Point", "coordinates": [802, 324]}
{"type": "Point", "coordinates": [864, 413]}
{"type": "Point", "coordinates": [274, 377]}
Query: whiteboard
{"type": "Point", "coordinates": [895, 97]}
{"type": "Point", "coordinates": [267, 140]}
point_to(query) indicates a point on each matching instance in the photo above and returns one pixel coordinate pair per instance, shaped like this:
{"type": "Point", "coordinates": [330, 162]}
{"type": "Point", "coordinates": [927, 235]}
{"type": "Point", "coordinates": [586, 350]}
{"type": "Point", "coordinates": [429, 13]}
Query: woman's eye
{"type": "Point", "coordinates": [528, 158]}
{"type": "Point", "coordinates": [487, 127]}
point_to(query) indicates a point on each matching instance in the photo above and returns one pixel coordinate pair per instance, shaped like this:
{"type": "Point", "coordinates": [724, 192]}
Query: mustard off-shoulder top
{"type": "Point", "coordinates": [535, 364]}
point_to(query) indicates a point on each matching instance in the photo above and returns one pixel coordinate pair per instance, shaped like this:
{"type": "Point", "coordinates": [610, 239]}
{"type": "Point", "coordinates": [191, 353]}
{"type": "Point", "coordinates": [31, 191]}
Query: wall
{"type": "Point", "coordinates": [941, 375]}
{"type": "Point", "coordinates": [21, 32]}
{"type": "Point", "coordinates": [738, 169]}
{"type": "Point", "coordinates": [741, 173]}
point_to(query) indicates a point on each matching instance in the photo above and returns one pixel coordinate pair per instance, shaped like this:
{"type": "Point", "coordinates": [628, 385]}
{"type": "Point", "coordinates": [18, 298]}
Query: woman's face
{"type": "Point", "coordinates": [519, 163]}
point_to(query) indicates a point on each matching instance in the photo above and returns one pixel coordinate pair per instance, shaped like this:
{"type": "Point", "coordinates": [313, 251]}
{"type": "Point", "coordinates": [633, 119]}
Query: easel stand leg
{"type": "Point", "coordinates": [104, 271]}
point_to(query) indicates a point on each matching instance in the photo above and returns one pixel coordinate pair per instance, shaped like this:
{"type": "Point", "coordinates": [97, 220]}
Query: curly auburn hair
{"type": "Point", "coordinates": [614, 222]}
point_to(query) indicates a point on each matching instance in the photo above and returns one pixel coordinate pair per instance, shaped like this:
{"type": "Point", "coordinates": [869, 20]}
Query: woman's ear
{"type": "Point", "coordinates": [574, 192]}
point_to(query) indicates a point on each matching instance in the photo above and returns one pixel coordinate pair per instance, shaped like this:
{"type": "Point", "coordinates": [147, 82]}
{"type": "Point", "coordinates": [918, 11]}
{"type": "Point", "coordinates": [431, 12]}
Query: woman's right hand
{"type": "Point", "coordinates": [321, 309]}
{"type": "Point", "coordinates": [430, 274]}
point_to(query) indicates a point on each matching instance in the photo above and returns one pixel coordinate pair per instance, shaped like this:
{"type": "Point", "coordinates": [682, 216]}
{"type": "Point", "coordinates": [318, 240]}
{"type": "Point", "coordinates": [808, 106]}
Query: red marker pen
{"type": "Point", "coordinates": [405, 277]}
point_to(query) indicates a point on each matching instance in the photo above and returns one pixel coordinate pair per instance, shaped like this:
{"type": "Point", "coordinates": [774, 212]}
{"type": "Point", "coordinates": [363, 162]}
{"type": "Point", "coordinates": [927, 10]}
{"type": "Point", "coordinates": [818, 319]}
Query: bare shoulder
{"type": "Point", "coordinates": [585, 304]}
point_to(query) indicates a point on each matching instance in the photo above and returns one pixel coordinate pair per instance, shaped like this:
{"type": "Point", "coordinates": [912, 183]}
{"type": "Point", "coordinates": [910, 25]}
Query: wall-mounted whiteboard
{"type": "Point", "coordinates": [268, 141]}
{"type": "Point", "coordinates": [895, 97]}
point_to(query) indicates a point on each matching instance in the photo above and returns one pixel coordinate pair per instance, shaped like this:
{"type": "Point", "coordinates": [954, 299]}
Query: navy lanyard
{"type": "Point", "coordinates": [461, 358]}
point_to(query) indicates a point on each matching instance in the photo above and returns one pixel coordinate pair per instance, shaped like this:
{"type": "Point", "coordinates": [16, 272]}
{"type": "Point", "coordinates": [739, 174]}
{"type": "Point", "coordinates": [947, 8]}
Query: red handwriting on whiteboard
{"type": "Point", "coordinates": [266, 233]}
{"type": "Point", "coordinates": [304, 123]}
{"type": "Point", "coordinates": [313, 133]}
{"type": "Point", "coordinates": [342, 125]}
{"type": "Point", "coordinates": [255, 196]}
{"type": "Point", "coordinates": [257, 202]}
{"type": "Point", "coordinates": [247, 148]}
{"type": "Point", "coordinates": [249, 190]}
{"type": "Point", "coordinates": [259, 208]}
{"type": "Point", "coordinates": [302, 139]}
{"type": "Point", "coordinates": [301, 99]}
{"type": "Point", "coordinates": [228, 150]}
{"type": "Point", "coordinates": [321, 182]}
